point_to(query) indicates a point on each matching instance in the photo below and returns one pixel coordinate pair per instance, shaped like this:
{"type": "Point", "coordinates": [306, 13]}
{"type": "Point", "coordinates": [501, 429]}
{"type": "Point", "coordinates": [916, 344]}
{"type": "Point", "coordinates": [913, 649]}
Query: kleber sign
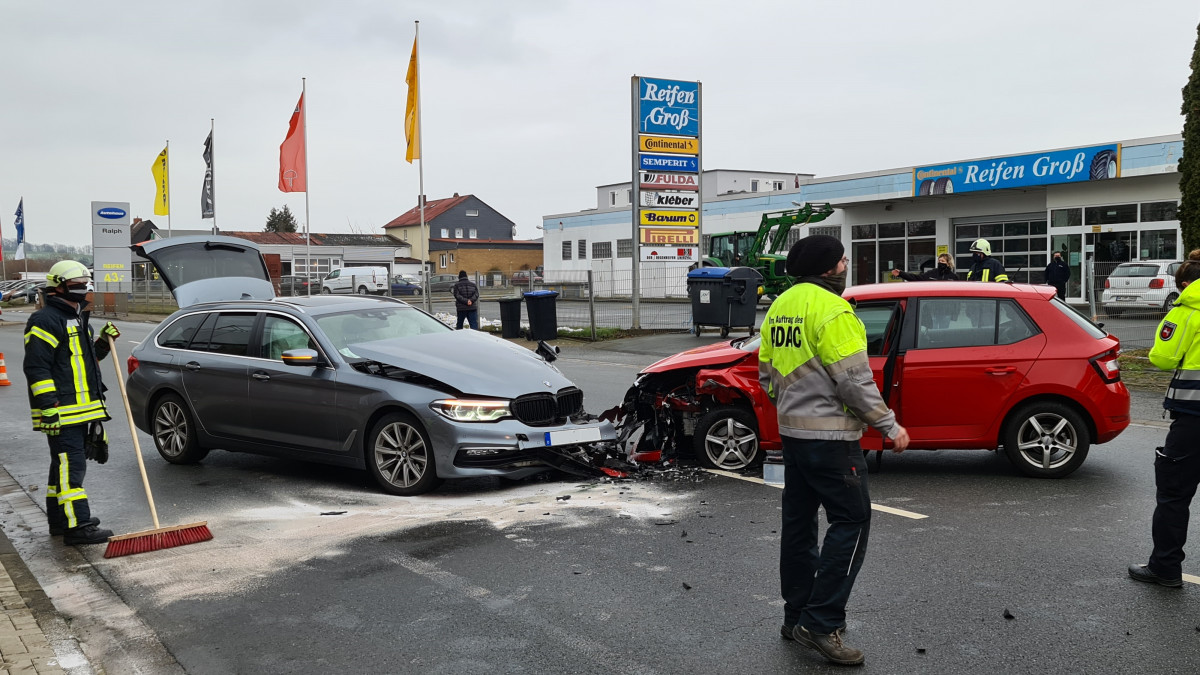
{"type": "Point", "coordinates": [1078, 165]}
{"type": "Point", "coordinates": [677, 218]}
{"type": "Point", "coordinates": [677, 146]}
{"type": "Point", "coordinates": [688, 163]}
{"type": "Point", "coordinates": [670, 254]}
{"type": "Point", "coordinates": [669, 107]}
{"type": "Point", "coordinates": [653, 180]}
{"type": "Point", "coordinates": [670, 236]}
{"type": "Point", "coordinates": [675, 200]}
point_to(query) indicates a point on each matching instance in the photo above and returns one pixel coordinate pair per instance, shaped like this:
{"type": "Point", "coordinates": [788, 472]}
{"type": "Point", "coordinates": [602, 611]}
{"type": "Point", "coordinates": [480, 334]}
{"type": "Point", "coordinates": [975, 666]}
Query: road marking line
{"type": "Point", "coordinates": [878, 507]}
{"type": "Point", "coordinates": [1191, 578]}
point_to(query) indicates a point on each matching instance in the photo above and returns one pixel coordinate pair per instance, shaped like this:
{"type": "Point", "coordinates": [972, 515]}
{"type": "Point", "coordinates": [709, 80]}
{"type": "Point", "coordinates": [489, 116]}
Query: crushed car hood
{"type": "Point", "coordinates": [469, 361]}
{"type": "Point", "coordinates": [720, 354]}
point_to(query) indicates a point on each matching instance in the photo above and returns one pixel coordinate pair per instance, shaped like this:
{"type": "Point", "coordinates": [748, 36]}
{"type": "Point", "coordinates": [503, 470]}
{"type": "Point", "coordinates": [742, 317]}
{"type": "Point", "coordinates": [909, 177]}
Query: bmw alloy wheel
{"type": "Point", "coordinates": [401, 457]}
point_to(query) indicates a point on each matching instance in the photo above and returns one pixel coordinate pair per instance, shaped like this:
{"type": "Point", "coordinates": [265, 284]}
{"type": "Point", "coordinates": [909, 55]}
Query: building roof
{"type": "Point", "coordinates": [284, 238]}
{"type": "Point", "coordinates": [355, 240]}
{"type": "Point", "coordinates": [433, 209]}
{"type": "Point", "coordinates": [439, 244]}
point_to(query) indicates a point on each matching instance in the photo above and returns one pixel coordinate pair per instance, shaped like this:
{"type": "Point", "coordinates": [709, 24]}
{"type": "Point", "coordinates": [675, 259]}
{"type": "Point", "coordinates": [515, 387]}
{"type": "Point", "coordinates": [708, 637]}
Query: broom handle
{"type": "Point", "coordinates": [137, 448]}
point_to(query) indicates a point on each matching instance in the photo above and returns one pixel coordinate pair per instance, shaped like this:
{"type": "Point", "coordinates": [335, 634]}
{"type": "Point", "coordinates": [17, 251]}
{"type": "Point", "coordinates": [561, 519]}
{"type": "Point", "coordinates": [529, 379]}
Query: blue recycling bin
{"type": "Point", "coordinates": [543, 315]}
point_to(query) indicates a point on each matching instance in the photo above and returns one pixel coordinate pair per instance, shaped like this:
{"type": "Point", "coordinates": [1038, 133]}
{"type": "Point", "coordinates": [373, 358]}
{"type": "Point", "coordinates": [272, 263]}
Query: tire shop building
{"type": "Point", "coordinates": [1113, 202]}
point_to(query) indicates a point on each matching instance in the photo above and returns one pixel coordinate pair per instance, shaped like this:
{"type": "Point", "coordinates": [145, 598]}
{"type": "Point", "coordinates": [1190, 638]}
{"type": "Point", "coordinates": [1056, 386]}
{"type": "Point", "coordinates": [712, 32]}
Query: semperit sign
{"type": "Point", "coordinates": [667, 160]}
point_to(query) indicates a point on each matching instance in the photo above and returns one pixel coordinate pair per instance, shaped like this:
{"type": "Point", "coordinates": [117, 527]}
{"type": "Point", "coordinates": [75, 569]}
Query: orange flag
{"type": "Point", "coordinates": [292, 177]}
{"type": "Point", "coordinates": [411, 121]}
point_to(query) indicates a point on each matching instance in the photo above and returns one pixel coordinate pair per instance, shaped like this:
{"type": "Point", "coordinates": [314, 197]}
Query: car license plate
{"type": "Point", "coordinates": [572, 436]}
{"type": "Point", "coordinates": [1126, 298]}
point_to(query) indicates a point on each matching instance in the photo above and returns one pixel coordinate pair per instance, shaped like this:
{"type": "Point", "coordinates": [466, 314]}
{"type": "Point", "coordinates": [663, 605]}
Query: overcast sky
{"type": "Point", "coordinates": [526, 102]}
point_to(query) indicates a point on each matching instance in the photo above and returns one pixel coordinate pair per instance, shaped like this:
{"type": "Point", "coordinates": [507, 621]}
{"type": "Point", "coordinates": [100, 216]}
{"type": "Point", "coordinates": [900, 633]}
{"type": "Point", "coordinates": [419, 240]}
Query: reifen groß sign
{"type": "Point", "coordinates": [1076, 165]}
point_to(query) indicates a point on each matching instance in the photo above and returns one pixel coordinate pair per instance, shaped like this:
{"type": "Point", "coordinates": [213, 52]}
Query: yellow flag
{"type": "Point", "coordinates": [162, 199]}
{"type": "Point", "coordinates": [411, 121]}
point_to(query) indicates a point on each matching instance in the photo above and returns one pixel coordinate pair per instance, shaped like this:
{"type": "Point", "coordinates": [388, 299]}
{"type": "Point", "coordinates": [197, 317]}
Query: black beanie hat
{"type": "Point", "coordinates": [814, 255]}
{"type": "Point", "coordinates": [462, 274]}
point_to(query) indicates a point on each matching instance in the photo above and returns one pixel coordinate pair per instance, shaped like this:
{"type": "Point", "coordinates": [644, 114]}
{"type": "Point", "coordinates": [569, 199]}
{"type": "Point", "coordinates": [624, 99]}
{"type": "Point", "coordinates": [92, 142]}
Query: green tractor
{"type": "Point", "coordinates": [750, 249]}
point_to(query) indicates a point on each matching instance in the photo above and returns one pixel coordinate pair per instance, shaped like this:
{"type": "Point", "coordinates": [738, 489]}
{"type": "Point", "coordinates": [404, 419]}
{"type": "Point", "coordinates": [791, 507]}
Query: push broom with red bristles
{"type": "Point", "coordinates": [159, 537]}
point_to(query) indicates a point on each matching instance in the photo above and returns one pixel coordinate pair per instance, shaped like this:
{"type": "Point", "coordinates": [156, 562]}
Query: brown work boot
{"type": "Point", "coordinates": [831, 646]}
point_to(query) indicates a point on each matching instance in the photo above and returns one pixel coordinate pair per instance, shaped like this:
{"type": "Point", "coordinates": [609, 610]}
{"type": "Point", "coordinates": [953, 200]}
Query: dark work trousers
{"type": "Point", "coordinates": [816, 584]}
{"type": "Point", "coordinates": [1062, 290]}
{"type": "Point", "coordinates": [66, 502]}
{"type": "Point", "coordinates": [1176, 474]}
{"type": "Point", "coordinates": [472, 317]}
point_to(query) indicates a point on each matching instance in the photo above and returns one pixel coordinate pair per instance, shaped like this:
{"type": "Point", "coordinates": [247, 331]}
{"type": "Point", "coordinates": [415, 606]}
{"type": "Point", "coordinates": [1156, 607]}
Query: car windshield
{"type": "Point", "coordinates": [1136, 271]}
{"type": "Point", "coordinates": [347, 329]}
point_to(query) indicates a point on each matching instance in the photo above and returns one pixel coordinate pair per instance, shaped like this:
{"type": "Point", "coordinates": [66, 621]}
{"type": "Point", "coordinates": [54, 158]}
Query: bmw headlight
{"type": "Point", "coordinates": [471, 410]}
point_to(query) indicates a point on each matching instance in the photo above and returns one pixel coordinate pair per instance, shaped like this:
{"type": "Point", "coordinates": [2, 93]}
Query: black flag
{"type": "Point", "coordinates": [208, 201]}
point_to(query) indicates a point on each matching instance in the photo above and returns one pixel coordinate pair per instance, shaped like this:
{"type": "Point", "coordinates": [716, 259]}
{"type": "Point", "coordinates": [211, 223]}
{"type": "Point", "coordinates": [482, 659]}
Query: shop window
{"type": "Point", "coordinates": [1153, 212]}
{"type": "Point", "coordinates": [891, 230]}
{"type": "Point", "coordinates": [601, 249]}
{"type": "Point", "coordinates": [1016, 229]}
{"type": "Point", "coordinates": [566, 250]}
{"type": "Point", "coordinates": [582, 249]}
{"type": "Point", "coordinates": [863, 263]}
{"type": "Point", "coordinates": [1066, 217]}
{"type": "Point", "coordinates": [967, 232]}
{"type": "Point", "coordinates": [1158, 245]}
{"type": "Point", "coordinates": [862, 232]}
{"type": "Point", "coordinates": [624, 248]}
{"type": "Point", "coordinates": [1037, 227]}
{"type": "Point", "coordinates": [922, 228]}
{"type": "Point", "coordinates": [990, 232]}
{"type": "Point", "coordinates": [1110, 215]}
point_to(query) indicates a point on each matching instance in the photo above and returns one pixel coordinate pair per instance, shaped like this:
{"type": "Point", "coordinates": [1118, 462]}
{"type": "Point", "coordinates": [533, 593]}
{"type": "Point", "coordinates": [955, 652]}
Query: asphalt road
{"type": "Point", "coordinates": [312, 570]}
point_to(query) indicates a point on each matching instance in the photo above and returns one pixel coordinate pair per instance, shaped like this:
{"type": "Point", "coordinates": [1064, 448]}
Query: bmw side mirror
{"type": "Point", "coordinates": [548, 352]}
{"type": "Point", "coordinates": [302, 357]}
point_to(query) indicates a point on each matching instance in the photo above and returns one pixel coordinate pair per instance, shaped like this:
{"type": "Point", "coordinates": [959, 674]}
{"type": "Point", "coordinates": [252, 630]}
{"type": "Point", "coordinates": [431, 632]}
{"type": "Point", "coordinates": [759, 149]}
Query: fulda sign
{"type": "Point", "coordinates": [653, 180]}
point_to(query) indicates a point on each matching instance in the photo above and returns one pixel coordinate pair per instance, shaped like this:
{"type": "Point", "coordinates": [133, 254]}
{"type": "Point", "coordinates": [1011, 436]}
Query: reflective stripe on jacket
{"type": "Point", "coordinates": [812, 362]}
{"type": "Point", "coordinates": [988, 269]}
{"type": "Point", "coordinates": [1176, 348]}
{"type": "Point", "coordinates": [61, 364]}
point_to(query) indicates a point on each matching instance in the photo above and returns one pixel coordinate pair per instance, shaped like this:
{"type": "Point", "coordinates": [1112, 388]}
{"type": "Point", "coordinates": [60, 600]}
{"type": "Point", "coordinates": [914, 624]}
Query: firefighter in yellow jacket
{"type": "Point", "coordinates": [66, 396]}
{"type": "Point", "coordinates": [1177, 463]}
{"type": "Point", "coordinates": [813, 365]}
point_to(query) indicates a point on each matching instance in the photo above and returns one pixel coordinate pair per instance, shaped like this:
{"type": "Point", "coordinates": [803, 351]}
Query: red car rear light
{"type": "Point", "coordinates": [1106, 284]}
{"type": "Point", "coordinates": [1157, 283]}
{"type": "Point", "coordinates": [1107, 366]}
{"type": "Point", "coordinates": [131, 363]}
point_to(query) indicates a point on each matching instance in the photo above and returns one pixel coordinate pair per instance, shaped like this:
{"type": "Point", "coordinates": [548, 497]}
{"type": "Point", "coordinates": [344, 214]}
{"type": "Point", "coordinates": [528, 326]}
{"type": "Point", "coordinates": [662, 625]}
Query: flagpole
{"type": "Point", "coordinates": [307, 218]}
{"type": "Point", "coordinates": [212, 165]}
{"type": "Point", "coordinates": [3, 264]}
{"type": "Point", "coordinates": [168, 151]}
{"type": "Point", "coordinates": [24, 253]}
{"type": "Point", "coordinates": [421, 175]}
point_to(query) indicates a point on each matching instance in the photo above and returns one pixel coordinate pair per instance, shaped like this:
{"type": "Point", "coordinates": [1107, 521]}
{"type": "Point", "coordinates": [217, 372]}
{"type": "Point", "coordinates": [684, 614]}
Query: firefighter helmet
{"type": "Point", "coordinates": [981, 246]}
{"type": "Point", "coordinates": [65, 270]}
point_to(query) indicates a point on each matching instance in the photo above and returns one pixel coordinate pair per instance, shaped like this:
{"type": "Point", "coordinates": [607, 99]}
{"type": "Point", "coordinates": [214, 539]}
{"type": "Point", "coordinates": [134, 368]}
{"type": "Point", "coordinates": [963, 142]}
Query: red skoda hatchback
{"type": "Point", "coordinates": [964, 365]}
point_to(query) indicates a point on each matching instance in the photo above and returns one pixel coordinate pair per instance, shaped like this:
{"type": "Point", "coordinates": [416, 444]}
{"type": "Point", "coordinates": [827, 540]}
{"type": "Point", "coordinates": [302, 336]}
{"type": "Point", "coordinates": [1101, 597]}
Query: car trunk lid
{"type": "Point", "coordinates": [209, 268]}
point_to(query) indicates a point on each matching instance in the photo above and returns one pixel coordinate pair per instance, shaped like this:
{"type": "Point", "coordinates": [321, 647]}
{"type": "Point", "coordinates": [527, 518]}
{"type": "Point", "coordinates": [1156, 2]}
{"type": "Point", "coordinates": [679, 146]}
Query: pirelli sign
{"type": "Point", "coordinates": [670, 236]}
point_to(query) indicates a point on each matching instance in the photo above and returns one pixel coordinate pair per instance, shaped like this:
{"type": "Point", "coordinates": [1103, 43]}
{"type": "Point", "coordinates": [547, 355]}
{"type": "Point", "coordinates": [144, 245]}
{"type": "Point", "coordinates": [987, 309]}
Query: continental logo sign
{"type": "Point", "coordinates": [677, 146]}
{"type": "Point", "coordinates": [678, 218]}
{"type": "Point", "coordinates": [670, 236]}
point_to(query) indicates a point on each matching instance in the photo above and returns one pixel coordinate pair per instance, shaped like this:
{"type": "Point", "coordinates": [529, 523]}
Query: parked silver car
{"type": "Point", "coordinates": [1143, 286]}
{"type": "Point", "coordinates": [366, 382]}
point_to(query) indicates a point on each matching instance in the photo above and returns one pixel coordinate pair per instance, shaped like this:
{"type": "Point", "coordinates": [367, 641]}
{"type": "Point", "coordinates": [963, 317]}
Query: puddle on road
{"type": "Point", "coordinates": [250, 546]}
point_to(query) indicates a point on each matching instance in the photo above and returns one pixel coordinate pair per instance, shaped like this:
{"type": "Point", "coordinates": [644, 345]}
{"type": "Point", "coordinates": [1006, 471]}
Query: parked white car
{"type": "Point", "coordinates": [360, 280]}
{"type": "Point", "coordinates": [1142, 286]}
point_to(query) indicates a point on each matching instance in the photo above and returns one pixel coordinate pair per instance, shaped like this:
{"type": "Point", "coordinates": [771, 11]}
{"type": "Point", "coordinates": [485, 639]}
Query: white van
{"type": "Point", "coordinates": [361, 280]}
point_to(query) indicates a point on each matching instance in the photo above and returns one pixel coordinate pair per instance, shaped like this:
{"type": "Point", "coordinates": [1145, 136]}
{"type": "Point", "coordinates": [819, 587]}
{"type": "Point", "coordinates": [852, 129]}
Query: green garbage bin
{"type": "Point", "coordinates": [543, 315]}
{"type": "Point", "coordinates": [510, 317]}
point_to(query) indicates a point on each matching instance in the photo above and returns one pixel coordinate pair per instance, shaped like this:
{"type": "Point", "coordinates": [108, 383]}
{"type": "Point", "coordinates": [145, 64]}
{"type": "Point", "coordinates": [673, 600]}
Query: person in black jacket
{"type": "Point", "coordinates": [1057, 274]}
{"type": "Point", "coordinates": [66, 396]}
{"type": "Point", "coordinates": [466, 301]}
{"type": "Point", "coordinates": [944, 271]}
{"type": "Point", "coordinates": [983, 266]}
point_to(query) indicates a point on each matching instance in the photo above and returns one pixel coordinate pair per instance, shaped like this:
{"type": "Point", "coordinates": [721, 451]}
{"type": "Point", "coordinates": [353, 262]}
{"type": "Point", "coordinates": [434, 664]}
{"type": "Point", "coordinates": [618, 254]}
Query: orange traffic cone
{"type": "Point", "coordinates": [3, 372]}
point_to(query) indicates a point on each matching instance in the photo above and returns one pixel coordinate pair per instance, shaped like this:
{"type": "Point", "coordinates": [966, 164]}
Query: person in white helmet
{"type": "Point", "coordinates": [983, 266]}
{"type": "Point", "coordinates": [66, 396]}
